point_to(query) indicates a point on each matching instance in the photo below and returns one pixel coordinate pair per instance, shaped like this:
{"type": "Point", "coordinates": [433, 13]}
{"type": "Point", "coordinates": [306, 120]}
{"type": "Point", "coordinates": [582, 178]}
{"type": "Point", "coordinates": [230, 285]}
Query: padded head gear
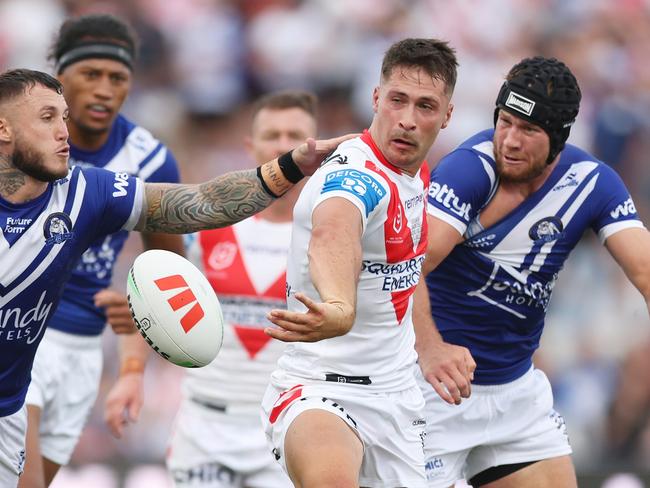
{"type": "Point", "coordinates": [542, 91]}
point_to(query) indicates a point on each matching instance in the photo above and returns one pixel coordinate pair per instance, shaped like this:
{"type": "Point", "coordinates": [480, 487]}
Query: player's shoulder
{"type": "Point", "coordinates": [135, 134]}
{"type": "Point", "coordinates": [574, 156]}
{"type": "Point", "coordinates": [352, 152]}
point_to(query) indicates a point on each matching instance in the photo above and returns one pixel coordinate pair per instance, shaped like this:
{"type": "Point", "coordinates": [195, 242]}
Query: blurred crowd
{"type": "Point", "coordinates": [202, 62]}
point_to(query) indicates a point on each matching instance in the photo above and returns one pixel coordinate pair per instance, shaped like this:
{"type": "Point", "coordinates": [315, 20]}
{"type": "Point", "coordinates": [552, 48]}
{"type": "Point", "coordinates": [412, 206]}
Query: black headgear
{"type": "Point", "coordinates": [542, 91]}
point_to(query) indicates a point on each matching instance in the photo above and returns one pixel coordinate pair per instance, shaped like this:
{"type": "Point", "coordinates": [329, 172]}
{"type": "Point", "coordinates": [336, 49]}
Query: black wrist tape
{"type": "Point", "coordinates": [289, 168]}
{"type": "Point", "coordinates": [264, 185]}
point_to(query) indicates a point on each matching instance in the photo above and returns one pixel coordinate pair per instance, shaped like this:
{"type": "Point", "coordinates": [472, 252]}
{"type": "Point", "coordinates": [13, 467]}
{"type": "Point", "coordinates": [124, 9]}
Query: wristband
{"type": "Point", "coordinates": [264, 185]}
{"type": "Point", "coordinates": [131, 365]}
{"type": "Point", "coordinates": [289, 168]}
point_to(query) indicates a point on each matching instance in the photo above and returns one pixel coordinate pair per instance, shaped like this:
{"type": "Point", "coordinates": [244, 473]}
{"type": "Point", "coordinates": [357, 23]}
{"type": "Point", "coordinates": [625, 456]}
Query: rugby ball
{"type": "Point", "coordinates": [175, 308]}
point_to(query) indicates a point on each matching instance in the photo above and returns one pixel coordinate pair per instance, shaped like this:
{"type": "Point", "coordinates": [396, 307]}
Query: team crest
{"type": "Point", "coordinates": [546, 230]}
{"type": "Point", "coordinates": [57, 228]}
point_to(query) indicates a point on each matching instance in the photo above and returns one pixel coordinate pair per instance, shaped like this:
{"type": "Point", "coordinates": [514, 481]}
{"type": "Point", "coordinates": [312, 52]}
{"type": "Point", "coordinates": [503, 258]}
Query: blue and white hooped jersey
{"type": "Point", "coordinates": [492, 291]}
{"type": "Point", "coordinates": [40, 243]}
{"type": "Point", "coordinates": [132, 150]}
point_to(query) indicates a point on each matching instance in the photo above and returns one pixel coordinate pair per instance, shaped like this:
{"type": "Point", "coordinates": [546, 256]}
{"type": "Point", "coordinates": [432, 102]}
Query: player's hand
{"type": "Point", "coordinates": [117, 311]}
{"type": "Point", "coordinates": [449, 369]}
{"type": "Point", "coordinates": [321, 321]}
{"type": "Point", "coordinates": [310, 154]}
{"type": "Point", "coordinates": [123, 403]}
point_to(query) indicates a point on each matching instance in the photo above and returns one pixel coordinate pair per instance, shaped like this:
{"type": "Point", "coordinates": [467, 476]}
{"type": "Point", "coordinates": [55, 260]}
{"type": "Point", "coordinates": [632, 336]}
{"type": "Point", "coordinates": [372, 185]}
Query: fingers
{"type": "Point", "coordinates": [108, 298]}
{"type": "Point", "coordinates": [114, 418]}
{"type": "Point", "coordinates": [328, 145]}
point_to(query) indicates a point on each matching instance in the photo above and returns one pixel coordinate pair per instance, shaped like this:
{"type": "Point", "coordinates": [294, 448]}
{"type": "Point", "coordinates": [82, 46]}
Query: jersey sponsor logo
{"type": "Point", "coordinates": [98, 260]}
{"type": "Point", "coordinates": [446, 196]}
{"type": "Point", "coordinates": [182, 300]}
{"type": "Point", "coordinates": [434, 468]}
{"type": "Point", "coordinates": [547, 229]}
{"type": "Point", "coordinates": [362, 185]}
{"type": "Point", "coordinates": [121, 183]}
{"type": "Point", "coordinates": [568, 181]}
{"type": "Point", "coordinates": [481, 241]}
{"type": "Point", "coordinates": [520, 103]}
{"type": "Point", "coordinates": [16, 226]}
{"type": "Point", "coordinates": [626, 208]}
{"type": "Point", "coordinates": [396, 276]}
{"type": "Point", "coordinates": [206, 473]}
{"type": "Point", "coordinates": [57, 228]}
{"type": "Point", "coordinates": [505, 289]}
{"type": "Point", "coordinates": [19, 324]}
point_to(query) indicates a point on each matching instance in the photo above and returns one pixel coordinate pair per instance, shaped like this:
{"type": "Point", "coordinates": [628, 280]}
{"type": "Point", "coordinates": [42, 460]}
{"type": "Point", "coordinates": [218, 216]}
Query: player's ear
{"type": "Point", "coordinates": [375, 99]}
{"type": "Point", "coordinates": [450, 110]}
{"type": "Point", "coordinates": [5, 131]}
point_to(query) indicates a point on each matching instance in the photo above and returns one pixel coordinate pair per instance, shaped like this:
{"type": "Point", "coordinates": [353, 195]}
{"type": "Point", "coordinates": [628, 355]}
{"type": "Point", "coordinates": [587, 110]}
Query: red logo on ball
{"type": "Point", "coordinates": [182, 299]}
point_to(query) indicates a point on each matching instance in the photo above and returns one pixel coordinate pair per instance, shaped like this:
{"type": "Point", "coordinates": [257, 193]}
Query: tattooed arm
{"type": "Point", "coordinates": [226, 199]}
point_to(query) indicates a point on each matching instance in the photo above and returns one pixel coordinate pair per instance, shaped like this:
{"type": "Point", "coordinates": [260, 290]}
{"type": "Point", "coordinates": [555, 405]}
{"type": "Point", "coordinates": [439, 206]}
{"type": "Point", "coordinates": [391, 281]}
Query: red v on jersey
{"type": "Point", "coordinates": [231, 274]}
{"type": "Point", "coordinates": [399, 241]}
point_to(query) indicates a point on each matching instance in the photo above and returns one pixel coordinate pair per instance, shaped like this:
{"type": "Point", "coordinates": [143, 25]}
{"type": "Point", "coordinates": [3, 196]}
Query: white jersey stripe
{"type": "Point", "coordinates": [156, 162]}
{"type": "Point", "coordinates": [17, 269]}
{"type": "Point", "coordinates": [611, 229]}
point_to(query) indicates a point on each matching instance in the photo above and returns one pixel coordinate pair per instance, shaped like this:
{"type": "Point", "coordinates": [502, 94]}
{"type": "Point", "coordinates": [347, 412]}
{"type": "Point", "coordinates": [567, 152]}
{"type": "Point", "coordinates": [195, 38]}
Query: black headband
{"type": "Point", "coordinates": [102, 50]}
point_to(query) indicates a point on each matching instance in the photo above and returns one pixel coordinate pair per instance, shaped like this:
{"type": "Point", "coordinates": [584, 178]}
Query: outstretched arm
{"type": "Point", "coordinates": [448, 368]}
{"type": "Point", "coordinates": [631, 250]}
{"type": "Point", "coordinates": [334, 267]}
{"type": "Point", "coordinates": [229, 198]}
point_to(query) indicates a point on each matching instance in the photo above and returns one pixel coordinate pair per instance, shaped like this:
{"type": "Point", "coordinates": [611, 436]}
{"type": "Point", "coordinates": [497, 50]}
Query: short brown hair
{"type": "Point", "coordinates": [286, 99]}
{"type": "Point", "coordinates": [15, 82]}
{"type": "Point", "coordinates": [436, 57]}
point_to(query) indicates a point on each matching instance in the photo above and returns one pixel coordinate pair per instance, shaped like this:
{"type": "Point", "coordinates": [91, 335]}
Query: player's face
{"type": "Point", "coordinates": [95, 90]}
{"type": "Point", "coordinates": [277, 131]}
{"type": "Point", "coordinates": [520, 148]}
{"type": "Point", "coordinates": [40, 147]}
{"type": "Point", "coordinates": [410, 109]}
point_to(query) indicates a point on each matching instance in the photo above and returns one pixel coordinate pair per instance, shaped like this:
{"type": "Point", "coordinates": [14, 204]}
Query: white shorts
{"type": "Point", "coordinates": [390, 426]}
{"type": "Point", "coordinates": [499, 424]}
{"type": "Point", "coordinates": [65, 380]}
{"type": "Point", "coordinates": [12, 447]}
{"type": "Point", "coordinates": [221, 449]}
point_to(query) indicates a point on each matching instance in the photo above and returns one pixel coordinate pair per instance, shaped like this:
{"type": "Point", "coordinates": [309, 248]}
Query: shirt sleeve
{"type": "Point", "coordinates": [120, 198]}
{"type": "Point", "coordinates": [461, 184]}
{"type": "Point", "coordinates": [613, 207]}
{"type": "Point", "coordinates": [361, 186]}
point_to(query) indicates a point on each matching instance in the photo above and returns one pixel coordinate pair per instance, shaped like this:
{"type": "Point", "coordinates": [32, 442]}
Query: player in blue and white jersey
{"type": "Point", "coordinates": [50, 214]}
{"type": "Point", "coordinates": [505, 210]}
{"type": "Point", "coordinates": [94, 58]}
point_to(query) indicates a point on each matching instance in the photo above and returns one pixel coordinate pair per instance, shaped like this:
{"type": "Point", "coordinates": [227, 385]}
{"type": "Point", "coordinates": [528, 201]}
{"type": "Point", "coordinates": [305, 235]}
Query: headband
{"type": "Point", "coordinates": [101, 50]}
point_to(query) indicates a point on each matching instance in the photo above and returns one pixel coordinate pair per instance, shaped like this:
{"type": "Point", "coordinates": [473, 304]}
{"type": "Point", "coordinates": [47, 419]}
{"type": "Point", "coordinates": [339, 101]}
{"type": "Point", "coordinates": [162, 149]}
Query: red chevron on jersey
{"type": "Point", "coordinates": [399, 240]}
{"type": "Point", "coordinates": [232, 273]}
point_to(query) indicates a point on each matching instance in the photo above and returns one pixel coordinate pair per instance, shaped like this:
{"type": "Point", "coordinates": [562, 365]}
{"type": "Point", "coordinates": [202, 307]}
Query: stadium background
{"type": "Point", "coordinates": [203, 61]}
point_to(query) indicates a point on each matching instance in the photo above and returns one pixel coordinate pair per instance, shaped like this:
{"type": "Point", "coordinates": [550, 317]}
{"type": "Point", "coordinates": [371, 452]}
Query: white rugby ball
{"type": "Point", "coordinates": [175, 308]}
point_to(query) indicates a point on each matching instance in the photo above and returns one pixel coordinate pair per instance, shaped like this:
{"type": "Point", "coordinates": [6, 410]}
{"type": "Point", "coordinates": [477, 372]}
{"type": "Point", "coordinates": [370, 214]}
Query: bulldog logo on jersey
{"type": "Point", "coordinates": [547, 230]}
{"type": "Point", "coordinates": [57, 228]}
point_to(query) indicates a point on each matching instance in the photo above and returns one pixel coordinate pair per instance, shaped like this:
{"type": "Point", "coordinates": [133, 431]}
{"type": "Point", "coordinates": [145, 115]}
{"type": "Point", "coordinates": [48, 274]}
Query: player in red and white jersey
{"type": "Point", "coordinates": [342, 408]}
{"type": "Point", "coordinates": [218, 440]}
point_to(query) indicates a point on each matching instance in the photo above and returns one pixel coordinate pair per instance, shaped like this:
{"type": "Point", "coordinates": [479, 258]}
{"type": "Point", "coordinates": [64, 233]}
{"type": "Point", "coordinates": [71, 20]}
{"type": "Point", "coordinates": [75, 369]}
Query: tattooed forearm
{"type": "Point", "coordinates": [220, 202]}
{"type": "Point", "coordinates": [11, 178]}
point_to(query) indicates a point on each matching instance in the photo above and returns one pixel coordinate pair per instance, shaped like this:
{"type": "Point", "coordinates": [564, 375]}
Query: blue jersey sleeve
{"type": "Point", "coordinates": [165, 173]}
{"type": "Point", "coordinates": [613, 208]}
{"type": "Point", "coordinates": [460, 186]}
{"type": "Point", "coordinates": [118, 198]}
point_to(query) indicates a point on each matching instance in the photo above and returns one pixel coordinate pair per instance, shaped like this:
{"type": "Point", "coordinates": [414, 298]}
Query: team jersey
{"type": "Point", "coordinates": [132, 150]}
{"type": "Point", "coordinates": [378, 351]}
{"type": "Point", "coordinates": [40, 242]}
{"type": "Point", "coordinates": [492, 292]}
{"type": "Point", "coordinates": [246, 265]}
